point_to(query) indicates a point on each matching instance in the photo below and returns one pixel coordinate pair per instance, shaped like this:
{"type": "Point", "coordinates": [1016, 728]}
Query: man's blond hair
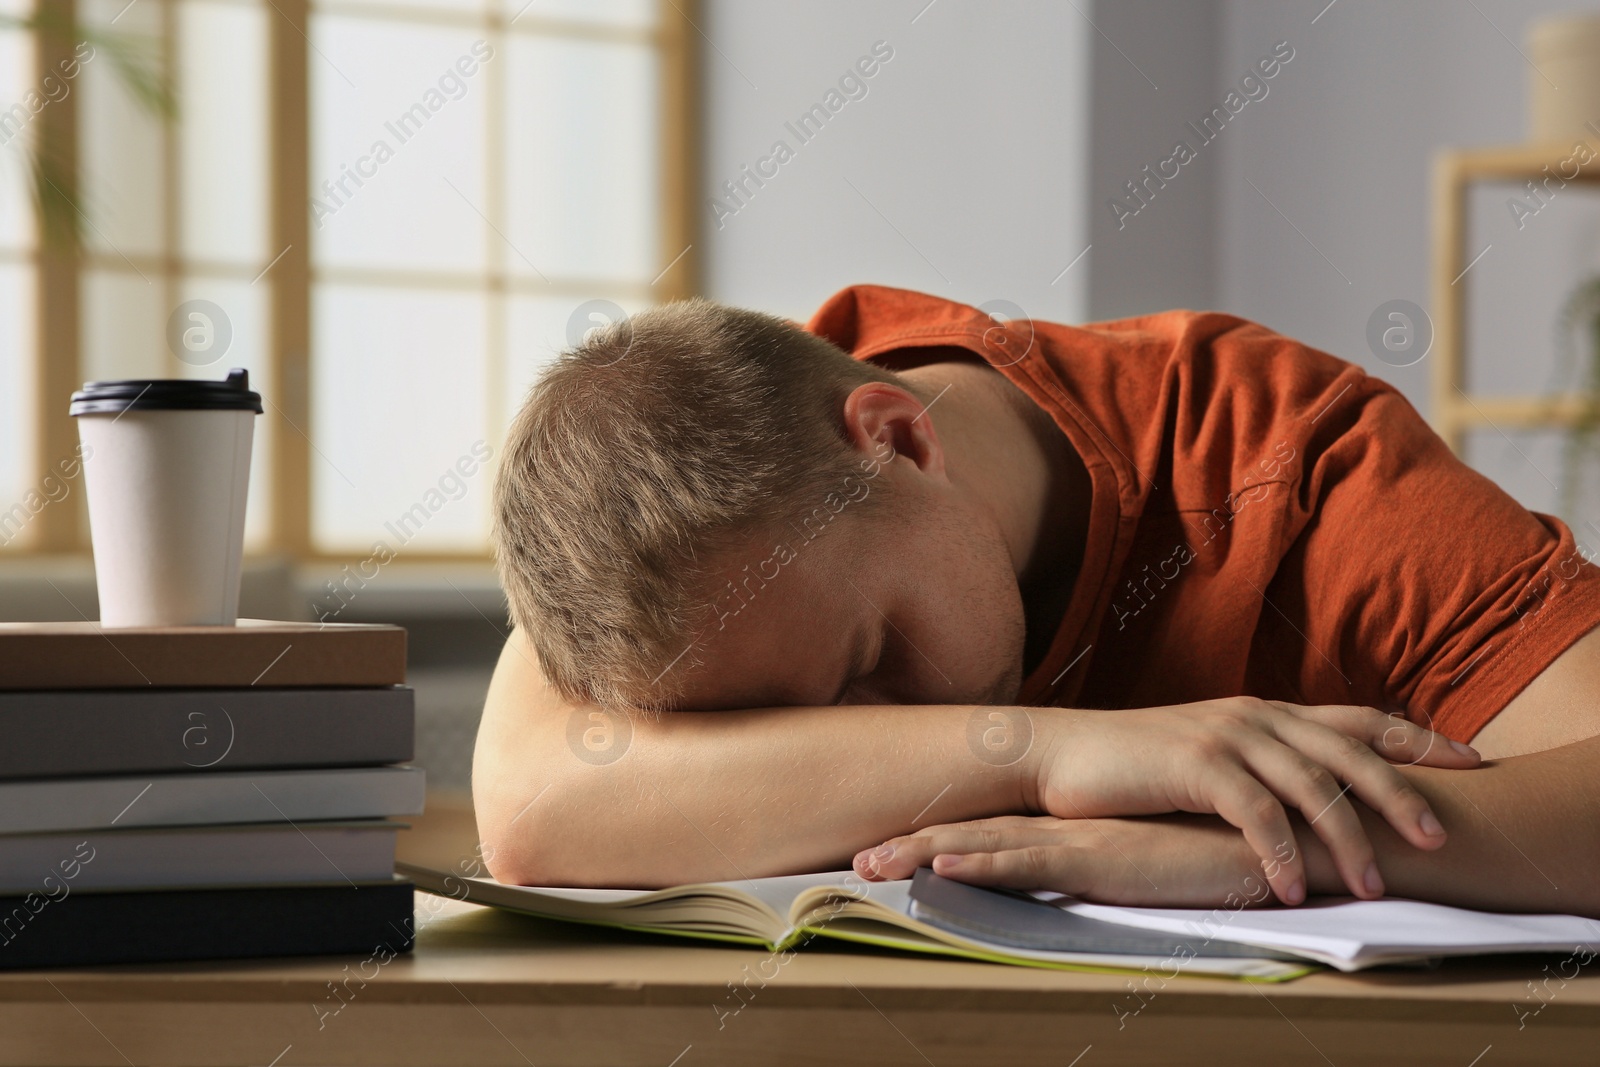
{"type": "Point", "coordinates": [639, 458]}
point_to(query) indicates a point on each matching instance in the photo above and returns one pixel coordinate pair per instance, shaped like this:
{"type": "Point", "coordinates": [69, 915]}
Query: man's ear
{"type": "Point", "coordinates": [884, 421]}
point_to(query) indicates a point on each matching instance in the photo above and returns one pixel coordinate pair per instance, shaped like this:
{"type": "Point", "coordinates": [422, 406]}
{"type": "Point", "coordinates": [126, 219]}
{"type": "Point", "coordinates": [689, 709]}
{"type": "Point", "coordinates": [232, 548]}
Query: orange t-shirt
{"type": "Point", "coordinates": [1266, 520]}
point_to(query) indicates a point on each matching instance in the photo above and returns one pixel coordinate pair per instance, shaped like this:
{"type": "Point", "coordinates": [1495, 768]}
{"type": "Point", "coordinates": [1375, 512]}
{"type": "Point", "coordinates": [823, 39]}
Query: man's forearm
{"type": "Point", "coordinates": [725, 795]}
{"type": "Point", "coordinates": [1524, 836]}
{"type": "Point", "coordinates": [753, 793]}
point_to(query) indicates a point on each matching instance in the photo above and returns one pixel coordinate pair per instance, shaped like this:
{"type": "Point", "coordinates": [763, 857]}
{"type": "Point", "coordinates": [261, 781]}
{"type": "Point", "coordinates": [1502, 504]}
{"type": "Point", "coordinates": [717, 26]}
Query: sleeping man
{"type": "Point", "coordinates": [1143, 611]}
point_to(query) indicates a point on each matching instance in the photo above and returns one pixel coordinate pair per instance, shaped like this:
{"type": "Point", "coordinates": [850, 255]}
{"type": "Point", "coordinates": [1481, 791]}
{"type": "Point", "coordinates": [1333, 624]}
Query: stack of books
{"type": "Point", "coordinates": [202, 792]}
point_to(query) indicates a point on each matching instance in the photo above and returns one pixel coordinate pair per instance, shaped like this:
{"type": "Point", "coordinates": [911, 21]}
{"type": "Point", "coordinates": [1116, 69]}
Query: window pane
{"type": "Point", "coordinates": [455, 7]}
{"type": "Point", "coordinates": [632, 14]}
{"type": "Point", "coordinates": [121, 144]}
{"type": "Point", "coordinates": [400, 397]}
{"type": "Point", "coordinates": [397, 173]}
{"type": "Point", "coordinates": [16, 116]}
{"type": "Point", "coordinates": [18, 470]}
{"type": "Point", "coordinates": [619, 14]}
{"type": "Point", "coordinates": [124, 326]}
{"type": "Point", "coordinates": [583, 179]}
{"type": "Point", "coordinates": [223, 142]}
{"type": "Point", "coordinates": [243, 317]}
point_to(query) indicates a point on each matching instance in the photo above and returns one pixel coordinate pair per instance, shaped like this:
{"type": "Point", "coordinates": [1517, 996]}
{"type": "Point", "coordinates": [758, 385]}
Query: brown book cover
{"type": "Point", "coordinates": [256, 652]}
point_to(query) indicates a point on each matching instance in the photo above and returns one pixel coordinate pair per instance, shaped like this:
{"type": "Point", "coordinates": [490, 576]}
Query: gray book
{"type": "Point", "coordinates": [52, 865]}
{"type": "Point", "coordinates": [46, 804]}
{"type": "Point", "coordinates": [57, 733]}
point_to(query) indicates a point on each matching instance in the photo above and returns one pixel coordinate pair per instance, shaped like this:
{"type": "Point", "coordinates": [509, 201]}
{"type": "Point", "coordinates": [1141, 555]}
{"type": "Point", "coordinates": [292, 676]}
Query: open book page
{"type": "Point", "coordinates": [1351, 934]}
{"type": "Point", "coordinates": [722, 910]}
{"type": "Point", "coordinates": [784, 911]}
{"type": "Point", "coordinates": [782, 894]}
{"type": "Point", "coordinates": [887, 916]}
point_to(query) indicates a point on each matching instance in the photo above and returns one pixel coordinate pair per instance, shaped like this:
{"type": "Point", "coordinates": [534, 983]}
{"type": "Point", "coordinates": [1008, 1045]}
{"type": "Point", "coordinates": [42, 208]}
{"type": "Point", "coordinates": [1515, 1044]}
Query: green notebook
{"type": "Point", "coordinates": [782, 913]}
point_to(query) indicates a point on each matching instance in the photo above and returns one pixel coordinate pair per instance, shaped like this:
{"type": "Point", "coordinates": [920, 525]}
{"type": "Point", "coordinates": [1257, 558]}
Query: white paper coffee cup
{"type": "Point", "coordinates": [167, 469]}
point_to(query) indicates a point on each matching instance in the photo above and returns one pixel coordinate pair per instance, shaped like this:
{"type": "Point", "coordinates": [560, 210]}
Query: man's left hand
{"type": "Point", "coordinates": [1160, 861]}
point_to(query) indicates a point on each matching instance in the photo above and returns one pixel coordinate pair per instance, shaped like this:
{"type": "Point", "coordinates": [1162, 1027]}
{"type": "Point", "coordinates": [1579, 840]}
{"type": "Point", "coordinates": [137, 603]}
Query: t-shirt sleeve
{"type": "Point", "coordinates": [1423, 581]}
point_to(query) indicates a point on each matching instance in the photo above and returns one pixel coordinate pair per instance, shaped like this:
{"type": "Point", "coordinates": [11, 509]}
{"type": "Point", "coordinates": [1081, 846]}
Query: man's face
{"type": "Point", "coordinates": [911, 601]}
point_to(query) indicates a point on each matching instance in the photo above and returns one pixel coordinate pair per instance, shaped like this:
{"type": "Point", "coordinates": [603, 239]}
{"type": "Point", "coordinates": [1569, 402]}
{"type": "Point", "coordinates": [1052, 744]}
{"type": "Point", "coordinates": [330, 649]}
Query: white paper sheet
{"type": "Point", "coordinates": [1349, 933]}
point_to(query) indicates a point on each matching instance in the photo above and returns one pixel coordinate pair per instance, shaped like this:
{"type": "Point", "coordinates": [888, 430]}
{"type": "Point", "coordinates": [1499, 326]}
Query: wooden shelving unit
{"type": "Point", "coordinates": [1455, 410]}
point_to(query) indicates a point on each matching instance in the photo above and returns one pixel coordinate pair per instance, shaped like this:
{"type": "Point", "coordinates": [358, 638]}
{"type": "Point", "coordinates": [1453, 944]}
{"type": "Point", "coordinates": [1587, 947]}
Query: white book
{"type": "Point", "coordinates": [1354, 934]}
{"type": "Point", "coordinates": [209, 798]}
{"type": "Point", "coordinates": [187, 857]}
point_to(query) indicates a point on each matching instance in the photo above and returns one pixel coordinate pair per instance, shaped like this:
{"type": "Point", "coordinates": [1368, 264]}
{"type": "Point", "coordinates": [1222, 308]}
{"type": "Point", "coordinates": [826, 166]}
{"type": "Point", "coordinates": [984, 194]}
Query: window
{"type": "Point", "coordinates": [19, 462]}
{"type": "Point", "coordinates": [392, 212]}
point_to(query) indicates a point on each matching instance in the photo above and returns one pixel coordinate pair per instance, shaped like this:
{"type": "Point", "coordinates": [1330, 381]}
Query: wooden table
{"type": "Point", "coordinates": [492, 988]}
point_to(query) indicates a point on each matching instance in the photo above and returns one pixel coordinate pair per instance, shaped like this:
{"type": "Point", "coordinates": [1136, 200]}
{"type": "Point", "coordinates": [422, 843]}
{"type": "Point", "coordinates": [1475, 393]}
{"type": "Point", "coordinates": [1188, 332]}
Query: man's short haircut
{"type": "Point", "coordinates": [638, 457]}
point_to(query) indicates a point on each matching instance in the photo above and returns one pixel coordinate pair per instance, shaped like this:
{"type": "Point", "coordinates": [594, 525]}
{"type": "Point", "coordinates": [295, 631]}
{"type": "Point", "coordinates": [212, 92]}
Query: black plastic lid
{"type": "Point", "coordinates": [167, 394]}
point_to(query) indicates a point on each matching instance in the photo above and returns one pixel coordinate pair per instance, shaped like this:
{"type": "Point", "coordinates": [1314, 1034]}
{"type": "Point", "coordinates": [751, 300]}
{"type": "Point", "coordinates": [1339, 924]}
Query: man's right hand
{"type": "Point", "coordinates": [1246, 760]}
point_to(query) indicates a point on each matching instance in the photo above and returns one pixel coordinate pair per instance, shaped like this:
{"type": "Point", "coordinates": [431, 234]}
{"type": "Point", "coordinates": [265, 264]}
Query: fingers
{"type": "Point", "coordinates": [1392, 736]}
{"type": "Point", "coordinates": [1325, 804]}
{"type": "Point", "coordinates": [1375, 781]}
{"type": "Point", "coordinates": [901, 856]}
{"type": "Point", "coordinates": [1249, 805]}
{"type": "Point", "coordinates": [1016, 852]}
{"type": "Point", "coordinates": [1077, 872]}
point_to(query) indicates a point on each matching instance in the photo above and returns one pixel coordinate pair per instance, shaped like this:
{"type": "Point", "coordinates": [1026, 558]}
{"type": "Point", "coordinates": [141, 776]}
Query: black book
{"type": "Point", "coordinates": [59, 733]}
{"type": "Point", "coordinates": [373, 920]}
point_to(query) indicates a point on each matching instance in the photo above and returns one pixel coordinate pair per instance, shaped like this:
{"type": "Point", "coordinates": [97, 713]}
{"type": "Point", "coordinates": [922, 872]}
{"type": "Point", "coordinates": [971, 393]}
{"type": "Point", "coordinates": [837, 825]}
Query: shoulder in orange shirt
{"type": "Point", "coordinates": [1266, 520]}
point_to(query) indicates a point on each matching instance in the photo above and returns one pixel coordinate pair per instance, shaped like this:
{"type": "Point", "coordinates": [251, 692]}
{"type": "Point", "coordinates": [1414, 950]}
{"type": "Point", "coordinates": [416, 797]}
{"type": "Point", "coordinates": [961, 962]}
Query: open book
{"type": "Point", "coordinates": [780, 913]}
{"type": "Point", "coordinates": [935, 915]}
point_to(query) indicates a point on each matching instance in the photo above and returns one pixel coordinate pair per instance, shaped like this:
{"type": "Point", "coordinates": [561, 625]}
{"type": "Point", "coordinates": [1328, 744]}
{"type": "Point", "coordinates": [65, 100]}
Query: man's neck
{"type": "Point", "coordinates": [1008, 454]}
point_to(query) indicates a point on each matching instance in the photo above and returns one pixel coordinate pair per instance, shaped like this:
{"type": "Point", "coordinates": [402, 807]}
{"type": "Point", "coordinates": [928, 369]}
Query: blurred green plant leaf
{"type": "Point", "coordinates": [137, 65]}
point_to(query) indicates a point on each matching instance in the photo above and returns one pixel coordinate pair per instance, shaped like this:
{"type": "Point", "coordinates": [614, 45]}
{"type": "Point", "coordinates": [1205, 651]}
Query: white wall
{"type": "Point", "coordinates": [1344, 148]}
{"type": "Point", "coordinates": [960, 173]}
{"type": "Point", "coordinates": [1152, 69]}
{"type": "Point", "coordinates": [989, 147]}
